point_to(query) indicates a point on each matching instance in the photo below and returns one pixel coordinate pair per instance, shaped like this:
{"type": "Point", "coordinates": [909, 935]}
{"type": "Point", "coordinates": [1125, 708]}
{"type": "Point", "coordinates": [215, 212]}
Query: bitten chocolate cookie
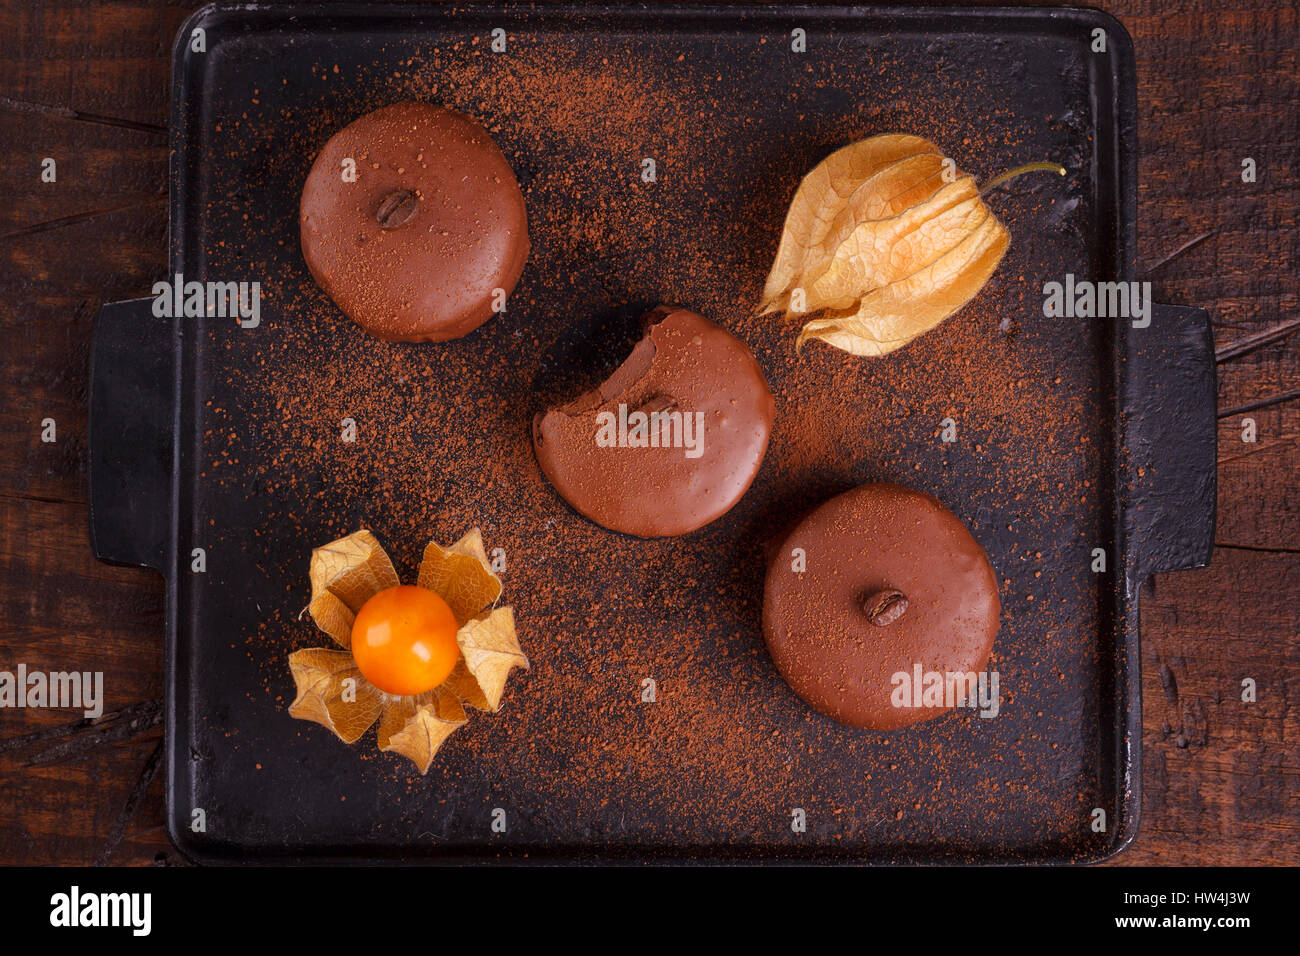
{"type": "Point", "coordinates": [426, 240]}
{"type": "Point", "coordinates": [878, 582]}
{"type": "Point", "coordinates": [671, 440]}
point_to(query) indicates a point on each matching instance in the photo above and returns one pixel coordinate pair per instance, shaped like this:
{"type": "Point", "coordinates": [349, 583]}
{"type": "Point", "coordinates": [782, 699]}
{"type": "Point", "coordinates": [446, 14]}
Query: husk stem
{"type": "Point", "coordinates": [1010, 174]}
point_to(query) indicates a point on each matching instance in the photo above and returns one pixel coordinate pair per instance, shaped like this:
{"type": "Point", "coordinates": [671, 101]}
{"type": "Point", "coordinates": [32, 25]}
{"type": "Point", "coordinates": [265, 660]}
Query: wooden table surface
{"type": "Point", "coordinates": [1218, 82]}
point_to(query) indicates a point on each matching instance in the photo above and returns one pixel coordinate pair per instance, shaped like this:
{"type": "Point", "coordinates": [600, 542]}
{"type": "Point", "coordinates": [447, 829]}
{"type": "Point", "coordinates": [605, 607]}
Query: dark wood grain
{"type": "Point", "coordinates": [89, 85]}
{"type": "Point", "coordinates": [1216, 84]}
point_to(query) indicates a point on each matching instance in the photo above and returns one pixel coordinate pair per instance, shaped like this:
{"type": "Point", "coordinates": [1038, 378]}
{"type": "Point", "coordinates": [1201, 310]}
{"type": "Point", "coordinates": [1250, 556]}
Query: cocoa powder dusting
{"type": "Point", "coordinates": [725, 750]}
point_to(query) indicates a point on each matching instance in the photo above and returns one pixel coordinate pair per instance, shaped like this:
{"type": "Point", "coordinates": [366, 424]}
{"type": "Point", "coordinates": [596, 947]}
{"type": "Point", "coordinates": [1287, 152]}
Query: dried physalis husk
{"type": "Point", "coordinates": [325, 695]}
{"type": "Point", "coordinates": [490, 651]}
{"type": "Point", "coordinates": [890, 316]}
{"type": "Point", "coordinates": [416, 727]}
{"type": "Point", "coordinates": [489, 648]}
{"type": "Point", "coordinates": [460, 575]}
{"type": "Point", "coordinates": [344, 575]}
{"type": "Point", "coordinates": [822, 195]}
{"type": "Point", "coordinates": [883, 241]}
{"type": "Point", "coordinates": [331, 689]}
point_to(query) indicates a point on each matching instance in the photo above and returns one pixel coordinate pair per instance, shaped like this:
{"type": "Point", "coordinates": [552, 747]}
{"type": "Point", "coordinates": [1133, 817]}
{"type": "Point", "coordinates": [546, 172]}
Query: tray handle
{"type": "Point", "coordinates": [1172, 441]}
{"type": "Point", "coordinates": [132, 371]}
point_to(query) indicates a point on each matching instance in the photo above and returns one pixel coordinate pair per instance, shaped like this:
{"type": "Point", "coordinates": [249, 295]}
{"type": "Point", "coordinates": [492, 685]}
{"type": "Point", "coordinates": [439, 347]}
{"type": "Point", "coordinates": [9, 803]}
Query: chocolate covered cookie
{"type": "Point", "coordinates": [671, 440]}
{"type": "Point", "coordinates": [878, 606]}
{"type": "Point", "coordinates": [413, 222]}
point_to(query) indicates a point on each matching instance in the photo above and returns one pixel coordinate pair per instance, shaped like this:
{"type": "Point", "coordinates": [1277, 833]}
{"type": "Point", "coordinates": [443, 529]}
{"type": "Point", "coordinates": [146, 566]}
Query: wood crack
{"type": "Point", "coordinates": [1261, 403]}
{"type": "Point", "coordinates": [87, 735]}
{"type": "Point", "coordinates": [1186, 247]}
{"type": "Point", "coordinates": [133, 800]}
{"type": "Point", "coordinates": [79, 116]}
{"type": "Point", "coordinates": [1254, 449]}
{"type": "Point", "coordinates": [1260, 548]}
{"type": "Point", "coordinates": [42, 499]}
{"type": "Point", "coordinates": [51, 224]}
{"type": "Point", "coordinates": [1256, 340]}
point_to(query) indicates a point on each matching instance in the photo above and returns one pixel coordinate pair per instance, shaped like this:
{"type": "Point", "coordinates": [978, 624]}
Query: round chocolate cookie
{"type": "Point", "coordinates": [412, 221]}
{"type": "Point", "coordinates": [873, 594]}
{"type": "Point", "coordinates": [671, 440]}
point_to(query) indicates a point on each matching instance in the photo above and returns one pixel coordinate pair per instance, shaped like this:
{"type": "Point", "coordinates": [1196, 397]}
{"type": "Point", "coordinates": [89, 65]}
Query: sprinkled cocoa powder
{"type": "Point", "coordinates": [442, 444]}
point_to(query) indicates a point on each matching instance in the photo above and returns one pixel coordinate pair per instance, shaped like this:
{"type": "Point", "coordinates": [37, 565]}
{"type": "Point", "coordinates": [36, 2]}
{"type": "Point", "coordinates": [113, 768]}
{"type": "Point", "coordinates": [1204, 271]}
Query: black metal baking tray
{"type": "Point", "coordinates": [1085, 434]}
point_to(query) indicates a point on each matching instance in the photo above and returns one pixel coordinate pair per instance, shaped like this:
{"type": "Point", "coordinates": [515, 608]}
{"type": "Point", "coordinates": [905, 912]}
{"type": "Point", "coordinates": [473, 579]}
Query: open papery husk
{"type": "Point", "coordinates": [416, 727]}
{"type": "Point", "coordinates": [460, 575]}
{"type": "Point", "coordinates": [331, 690]}
{"type": "Point", "coordinates": [883, 241]}
{"type": "Point", "coordinates": [344, 575]}
{"type": "Point", "coordinates": [325, 695]}
{"type": "Point", "coordinates": [489, 651]}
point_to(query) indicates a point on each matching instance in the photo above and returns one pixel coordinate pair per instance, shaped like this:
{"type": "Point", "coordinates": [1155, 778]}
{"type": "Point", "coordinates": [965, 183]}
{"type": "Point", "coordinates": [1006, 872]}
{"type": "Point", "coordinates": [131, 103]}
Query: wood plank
{"type": "Point", "coordinates": [1221, 777]}
{"type": "Point", "coordinates": [1217, 83]}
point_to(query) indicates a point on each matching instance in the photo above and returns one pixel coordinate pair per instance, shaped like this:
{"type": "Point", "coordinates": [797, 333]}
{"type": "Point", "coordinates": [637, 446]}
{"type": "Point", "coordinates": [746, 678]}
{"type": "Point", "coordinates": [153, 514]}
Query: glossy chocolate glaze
{"type": "Point", "coordinates": [421, 271]}
{"type": "Point", "coordinates": [858, 546]}
{"type": "Point", "coordinates": [685, 364]}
